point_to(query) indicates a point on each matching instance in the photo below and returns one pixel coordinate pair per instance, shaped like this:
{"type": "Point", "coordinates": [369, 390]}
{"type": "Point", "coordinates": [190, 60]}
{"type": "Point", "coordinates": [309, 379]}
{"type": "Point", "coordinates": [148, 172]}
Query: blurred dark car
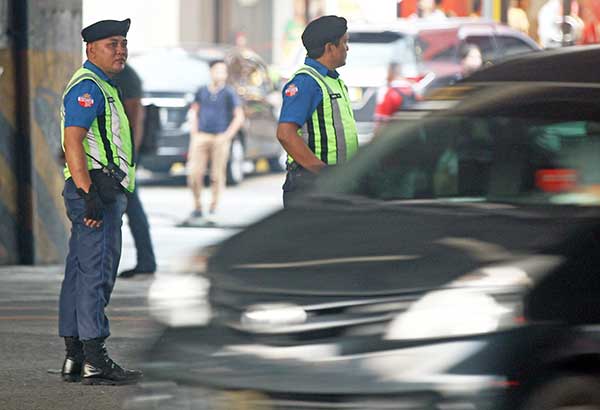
{"type": "Point", "coordinates": [428, 52]}
{"type": "Point", "coordinates": [170, 79]}
{"type": "Point", "coordinates": [453, 264]}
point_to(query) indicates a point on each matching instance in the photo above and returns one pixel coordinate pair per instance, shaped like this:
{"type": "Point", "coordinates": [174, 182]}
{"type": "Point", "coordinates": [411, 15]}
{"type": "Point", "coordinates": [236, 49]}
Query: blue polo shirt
{"type": "Point", "coordinates": [84, 102]}
{"type": "Point", "coordinates": [216, 110]}
{"type": "Point", "coordinates": [302, 94]}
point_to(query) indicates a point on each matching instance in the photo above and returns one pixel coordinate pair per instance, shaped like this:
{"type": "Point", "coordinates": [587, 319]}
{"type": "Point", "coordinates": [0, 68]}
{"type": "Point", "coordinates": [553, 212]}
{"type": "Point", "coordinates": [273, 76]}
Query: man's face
{"type": "Point", "coordinates": [472, 61]}
{"type": "Point", "coordinates": [109, 54]}
{"type": "Point", "coordinates": [340, 52]}
{"type": "Point", "coordinates": [218, 73]}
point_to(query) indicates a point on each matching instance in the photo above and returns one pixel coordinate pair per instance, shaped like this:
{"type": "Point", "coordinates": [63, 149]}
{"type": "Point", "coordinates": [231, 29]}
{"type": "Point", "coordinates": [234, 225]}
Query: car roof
{"type": "Point", "coordinates": [568, 65]}
{"type": "Point", "coordinates": [561, 100]}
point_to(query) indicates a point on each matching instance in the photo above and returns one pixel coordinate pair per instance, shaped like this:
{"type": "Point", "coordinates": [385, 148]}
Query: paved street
{"type": "Point", "coordinates": [29, 295]}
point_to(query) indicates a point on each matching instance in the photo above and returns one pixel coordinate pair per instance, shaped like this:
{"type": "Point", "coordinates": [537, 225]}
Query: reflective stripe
{"type": "Point", "coordinates": [93, 148]}
{"type": "Point", "coordinates": [338, 123]}
{"type": "Point", "coordinates": [120, 155]}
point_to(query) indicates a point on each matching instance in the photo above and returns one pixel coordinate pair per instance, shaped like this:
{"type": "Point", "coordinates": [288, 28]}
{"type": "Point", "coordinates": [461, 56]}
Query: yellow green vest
{"type": "Point", "coordinates": [109, 137]}
{"type": "Point", "coordinates": [331, 131]}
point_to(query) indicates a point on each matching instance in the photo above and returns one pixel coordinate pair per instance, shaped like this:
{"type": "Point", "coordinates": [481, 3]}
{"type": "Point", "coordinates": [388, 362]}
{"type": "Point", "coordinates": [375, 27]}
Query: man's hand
{"type": "Point", "coordinates": [287, 134]}
{"type": "Point", "coordinates": [94, 207]}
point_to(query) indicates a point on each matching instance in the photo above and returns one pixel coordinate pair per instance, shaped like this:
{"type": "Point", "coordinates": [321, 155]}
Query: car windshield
{"type": "Point", "coordinates": [170, 71]}
{"type": "Point", "coordinates": [488, 158]}
{"type": "Point", "coordinates": [378, 49]}
{"type": "Point", "coordinates": [437, 45]}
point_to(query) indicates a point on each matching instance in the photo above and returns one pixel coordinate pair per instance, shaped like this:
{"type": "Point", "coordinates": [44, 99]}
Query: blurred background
{"type": "Point", "coordinates": [171, 43]}
{"type": "Point", "coordinates": [424, 44]}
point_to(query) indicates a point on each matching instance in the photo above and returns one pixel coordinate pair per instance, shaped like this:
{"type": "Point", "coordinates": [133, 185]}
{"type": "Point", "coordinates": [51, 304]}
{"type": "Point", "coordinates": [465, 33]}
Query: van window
{"type": "Point", "coordinates": [379, 49]}
{"type": "Point", "coordinates": [486, 46]}
{"type": "Point", "coordinates": [437, 45]}
{"type": "Point", "coordinates": [512, 45]}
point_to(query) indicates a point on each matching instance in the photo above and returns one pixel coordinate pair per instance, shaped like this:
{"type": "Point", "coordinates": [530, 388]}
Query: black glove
{"type": "Point", "coordinates": [94, 206]}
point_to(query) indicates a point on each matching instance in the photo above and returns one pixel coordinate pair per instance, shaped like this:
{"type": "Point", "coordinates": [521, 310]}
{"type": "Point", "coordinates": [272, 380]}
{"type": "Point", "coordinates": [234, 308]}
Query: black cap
{"type": "Point", "coordinates": [322, 31]}
{"type": "Point", "coordinates": [105, 28]}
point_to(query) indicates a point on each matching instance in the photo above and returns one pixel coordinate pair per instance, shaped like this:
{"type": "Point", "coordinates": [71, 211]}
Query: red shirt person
{"type": "Point", "coordinates": [399, 92]}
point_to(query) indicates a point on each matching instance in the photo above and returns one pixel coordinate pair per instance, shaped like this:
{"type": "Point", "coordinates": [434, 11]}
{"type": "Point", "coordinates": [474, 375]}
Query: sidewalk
{"type": "Point", "coordinates": [29, 344]}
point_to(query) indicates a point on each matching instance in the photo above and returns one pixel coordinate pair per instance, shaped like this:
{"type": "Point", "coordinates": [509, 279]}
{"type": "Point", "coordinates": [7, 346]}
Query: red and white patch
{"type": "Point", "coordinates": [85, 100]}
{"type": "Point", "coordinates": [291, 90]}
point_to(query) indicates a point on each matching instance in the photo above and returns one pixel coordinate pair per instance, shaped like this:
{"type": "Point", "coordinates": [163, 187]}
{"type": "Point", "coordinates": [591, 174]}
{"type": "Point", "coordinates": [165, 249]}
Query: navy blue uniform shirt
{"type": "Point", "coordinates": [84, 102]}
{"type": "Point", "coordinates": [302, 94]}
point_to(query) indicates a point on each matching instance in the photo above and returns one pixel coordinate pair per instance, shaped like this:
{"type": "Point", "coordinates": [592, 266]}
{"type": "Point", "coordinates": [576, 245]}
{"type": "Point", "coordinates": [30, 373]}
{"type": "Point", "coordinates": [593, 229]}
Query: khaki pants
{"type": "Point", "coordinates": [205, 147]}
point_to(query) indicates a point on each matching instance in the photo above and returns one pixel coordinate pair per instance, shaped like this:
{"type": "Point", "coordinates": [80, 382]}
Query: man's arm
{"type": "Point", "coordinates": [236, 123]}
{"type": "Point", "coordinates": [77, 163]}
{"type": "Point", "coordinates": [287, 134]}
{"type": "Point", "coordinates": [135, 113]}
{"type": "Point", "coordinates": [194, 110]}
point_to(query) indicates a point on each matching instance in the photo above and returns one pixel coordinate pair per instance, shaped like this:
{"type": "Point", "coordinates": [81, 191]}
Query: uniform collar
{"type": "Point", "coordinates": [93, 67]}
{"type": "Point", "coordinates": [321, 69]}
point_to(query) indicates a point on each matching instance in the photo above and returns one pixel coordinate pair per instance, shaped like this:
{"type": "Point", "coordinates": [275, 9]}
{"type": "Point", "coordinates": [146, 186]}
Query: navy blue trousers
{"type": "Point", "coordinates": [91, 268]}
{"type": "Point", "coordinates": [140, 230]}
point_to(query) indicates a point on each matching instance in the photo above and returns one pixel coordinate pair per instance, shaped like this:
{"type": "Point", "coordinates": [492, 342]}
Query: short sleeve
{"type": "Point", "coordinates": [83, 103]}
{"type": "Point", "coordinates": [129, 83]}
{"type": "Point", "coordinates": [235, 98]}
{"type": "Point", "coordinates": [301, 96]}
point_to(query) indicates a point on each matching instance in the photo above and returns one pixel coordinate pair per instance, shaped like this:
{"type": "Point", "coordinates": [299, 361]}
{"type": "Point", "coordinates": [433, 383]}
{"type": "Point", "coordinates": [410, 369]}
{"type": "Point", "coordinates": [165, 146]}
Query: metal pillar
{"type": "Point", "coordinates": [23, 143]}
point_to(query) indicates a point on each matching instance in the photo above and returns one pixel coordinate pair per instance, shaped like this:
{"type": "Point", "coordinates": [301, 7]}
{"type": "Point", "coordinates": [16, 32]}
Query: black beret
{"type": "Point", "coordinates": [105, 28]}
{"type": "Point", "coordinates": [322, 31]}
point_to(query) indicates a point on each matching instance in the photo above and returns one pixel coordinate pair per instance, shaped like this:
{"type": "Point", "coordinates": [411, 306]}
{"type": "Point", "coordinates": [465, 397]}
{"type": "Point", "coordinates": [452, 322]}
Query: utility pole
{"type": "Point", "coordinates": [23, 146]}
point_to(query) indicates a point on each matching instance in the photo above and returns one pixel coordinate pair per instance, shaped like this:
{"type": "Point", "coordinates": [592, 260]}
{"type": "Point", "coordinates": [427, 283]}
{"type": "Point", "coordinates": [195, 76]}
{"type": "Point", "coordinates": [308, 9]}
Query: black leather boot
{"type": "Point", "coordinates": [99, 368]}
{"type": "Point", "coordinates": [71, 369]}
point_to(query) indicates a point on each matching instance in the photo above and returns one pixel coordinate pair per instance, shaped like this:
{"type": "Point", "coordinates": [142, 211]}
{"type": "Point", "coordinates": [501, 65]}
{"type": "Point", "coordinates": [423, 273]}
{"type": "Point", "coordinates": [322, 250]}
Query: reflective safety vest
{"type": "Point", "coordinates": [331, 131]}
{"type": "Point", "coordinates": [108, 141]}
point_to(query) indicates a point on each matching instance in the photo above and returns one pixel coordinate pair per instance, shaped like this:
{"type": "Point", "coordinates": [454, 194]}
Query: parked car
{"type": "Point", "coordinates": [453, 264]}
{"type": "Point", "coordinates": [428, 52]}
{"type": "Point", "coordinates": [172, 76]}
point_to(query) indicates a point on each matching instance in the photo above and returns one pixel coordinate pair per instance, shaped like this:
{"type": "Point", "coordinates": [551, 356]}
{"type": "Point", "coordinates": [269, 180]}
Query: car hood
{"type": "Point", "coordinates": [361, 251]}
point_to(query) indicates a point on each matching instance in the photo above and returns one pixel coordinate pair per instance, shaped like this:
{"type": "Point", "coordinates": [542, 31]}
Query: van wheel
{"type": "Point", "coordinates": [278, 164]}
{"type": "Point", "coordinates": [566, 393]}
{"type": "Point", "coordinates": [235, 165]}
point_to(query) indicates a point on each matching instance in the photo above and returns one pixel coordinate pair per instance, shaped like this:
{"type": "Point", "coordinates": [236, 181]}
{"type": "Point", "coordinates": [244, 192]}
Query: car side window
{"type": "Point", "coordinates": [442, 159]}
{"type": "Point", "coordinates": [500, 158]}
{"type": "Point", "coordinates": [486, 46]}
{"type": "Point", "coordinates": [512, 45]}
{"type": "Point", "coordinates": [437, 45]}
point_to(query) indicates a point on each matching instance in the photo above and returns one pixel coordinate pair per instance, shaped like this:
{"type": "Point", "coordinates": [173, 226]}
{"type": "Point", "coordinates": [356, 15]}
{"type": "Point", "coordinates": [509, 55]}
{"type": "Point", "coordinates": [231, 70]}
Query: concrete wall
{"type": "Point", "coordinates": [154, 23]}
{"type": "Point", "coordinates": [197, 23]}
{"type": "Point", "coordinates": [37, 60]}
{"type": "Point", "coordinates": [255, 20]}
{"type": "Point", "coordinates": [8, 112]}
{"type": "Point", "coordinates": [53, 54]}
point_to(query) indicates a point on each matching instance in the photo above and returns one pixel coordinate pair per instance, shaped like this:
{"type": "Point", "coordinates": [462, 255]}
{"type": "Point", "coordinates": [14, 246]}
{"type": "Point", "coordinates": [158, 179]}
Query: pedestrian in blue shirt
{"type": "Point", "coordinates": [316, 125]}
{"type": "Point", "coordinates": [99, 170]}
{"type": "Point", "coordinates": [217, 116]}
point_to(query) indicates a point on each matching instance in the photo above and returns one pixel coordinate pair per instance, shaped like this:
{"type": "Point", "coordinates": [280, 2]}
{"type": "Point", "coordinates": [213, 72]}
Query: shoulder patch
{"type": "Point", "coordinates": [85, 100]}
{"type": "Point", "coordinates": [291, 90]}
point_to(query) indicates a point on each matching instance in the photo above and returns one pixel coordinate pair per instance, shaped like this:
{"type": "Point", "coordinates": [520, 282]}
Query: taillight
{"type": "Point", "coordinates": [556, 180]}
